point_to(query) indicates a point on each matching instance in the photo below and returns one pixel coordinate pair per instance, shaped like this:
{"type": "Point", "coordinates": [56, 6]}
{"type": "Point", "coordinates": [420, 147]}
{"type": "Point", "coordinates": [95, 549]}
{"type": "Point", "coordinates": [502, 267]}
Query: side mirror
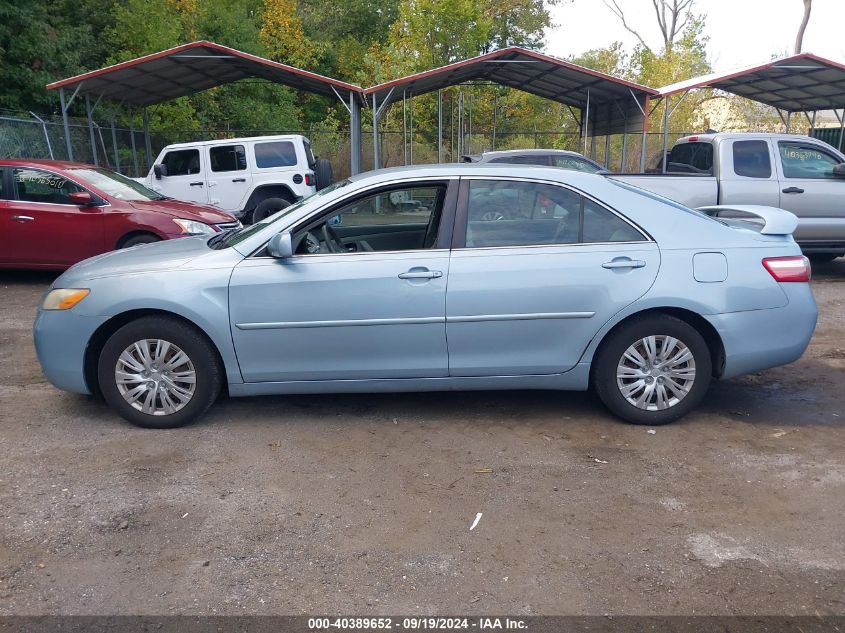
{"type": "Point", "coordinates": [839, 170]}
{"type": "Point", "coordinates": [280, 246]}
{"type": "Point", "coordinates": [159, 171]}
{"type": "Point", "coordinates": [81, 198]}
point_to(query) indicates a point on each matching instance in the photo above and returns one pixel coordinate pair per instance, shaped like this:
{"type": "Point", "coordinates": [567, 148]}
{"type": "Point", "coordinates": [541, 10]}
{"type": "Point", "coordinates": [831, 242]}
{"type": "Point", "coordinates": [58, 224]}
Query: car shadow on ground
{"type": "Point", "coordinates": [28, 277]}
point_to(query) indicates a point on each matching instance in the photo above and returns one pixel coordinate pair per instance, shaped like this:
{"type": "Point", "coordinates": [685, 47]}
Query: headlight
{"type": "Point", "coordinates": [192, 227]}
{"type": "Point", "coordinates": [64, 298]}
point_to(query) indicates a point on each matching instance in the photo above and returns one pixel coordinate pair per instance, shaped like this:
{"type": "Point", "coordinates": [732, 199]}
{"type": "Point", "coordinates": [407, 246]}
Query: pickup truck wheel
{"type": "Point", "coordinates": [158, 373]}
{"type": "Point", "coordinates": [323, 173]}
{"type": "Point", "coordinates": [268, 207]}
{"type": "Point", "coordinates": [652, 370]}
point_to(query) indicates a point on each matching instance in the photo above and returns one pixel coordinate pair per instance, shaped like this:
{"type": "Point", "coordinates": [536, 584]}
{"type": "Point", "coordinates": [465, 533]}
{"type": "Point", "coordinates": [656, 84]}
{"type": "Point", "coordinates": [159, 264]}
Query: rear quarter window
{"type": "Point", "coordinates": [275, 154]}
{"type": "Point", "coordinates": [751, 159]}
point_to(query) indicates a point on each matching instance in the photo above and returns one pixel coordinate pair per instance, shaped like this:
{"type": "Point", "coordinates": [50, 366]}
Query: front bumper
{"type": "Point", "coordinates": [755, 340]}
{"type": "Point", "coordinates": [61, 339]}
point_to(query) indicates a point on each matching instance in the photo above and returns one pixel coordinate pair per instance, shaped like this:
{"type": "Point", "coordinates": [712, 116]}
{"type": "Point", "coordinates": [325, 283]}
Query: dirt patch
{"type": "Point", "coordinates": [363, 504]}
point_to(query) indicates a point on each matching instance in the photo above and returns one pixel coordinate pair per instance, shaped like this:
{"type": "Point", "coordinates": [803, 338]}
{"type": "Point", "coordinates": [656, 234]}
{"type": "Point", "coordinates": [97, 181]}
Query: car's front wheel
{"type": "Point", "coordinates": [158, 372]}
{"type": "Point", "coordinates": [652, 370]}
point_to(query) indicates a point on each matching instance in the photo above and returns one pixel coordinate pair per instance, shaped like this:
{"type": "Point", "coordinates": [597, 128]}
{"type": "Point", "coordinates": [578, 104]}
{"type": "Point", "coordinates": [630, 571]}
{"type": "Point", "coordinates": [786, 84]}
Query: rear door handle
{"type": "Point", "coordinates": [23, 218]}
{"type": "Point", "coordinates": [624, 263]}
{"type": "Point", "coordinates": [793, 190]}
{"type": "Point", "coordinates": [238, 179]}
{"type": "Point", "coordinates": [196, 184]}
{"type": "Point", "coordinates": [416, 273]}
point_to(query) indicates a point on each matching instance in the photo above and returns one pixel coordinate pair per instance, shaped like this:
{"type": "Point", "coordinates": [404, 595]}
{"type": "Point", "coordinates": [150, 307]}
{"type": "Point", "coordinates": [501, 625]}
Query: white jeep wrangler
{"type": "Point", "coordinates": [251, 178]}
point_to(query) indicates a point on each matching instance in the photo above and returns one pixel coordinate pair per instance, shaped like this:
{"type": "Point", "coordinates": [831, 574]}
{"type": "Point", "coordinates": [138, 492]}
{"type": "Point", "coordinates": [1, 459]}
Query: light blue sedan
{"type": "Point", "coordinates": [439, 278]}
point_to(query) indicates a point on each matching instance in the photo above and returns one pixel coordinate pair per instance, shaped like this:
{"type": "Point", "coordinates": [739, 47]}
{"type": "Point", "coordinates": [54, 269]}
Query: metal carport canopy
{"type": "Point", "coordinates": [616, 106]}
{"type": "Point", "coordinates": [188, 69]}
{"type": "Point", "coordinates": [799, 83]}
{"type": "Point", "coordinates": [191, 68]}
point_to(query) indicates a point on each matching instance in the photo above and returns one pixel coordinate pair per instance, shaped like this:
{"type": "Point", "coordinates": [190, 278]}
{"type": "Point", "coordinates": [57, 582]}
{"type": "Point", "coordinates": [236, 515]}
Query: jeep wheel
{"type": "Point", "coordinates": [268, 207]}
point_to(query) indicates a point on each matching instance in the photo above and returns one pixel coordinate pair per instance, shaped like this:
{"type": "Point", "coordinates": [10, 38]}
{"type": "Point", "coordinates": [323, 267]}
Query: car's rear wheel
{"type": "Point", "coordinates": [158, 372]}
{"type": "Point", "coordinates": [652, 370]}
{"type": "Point", "coordinates": [268, 207]}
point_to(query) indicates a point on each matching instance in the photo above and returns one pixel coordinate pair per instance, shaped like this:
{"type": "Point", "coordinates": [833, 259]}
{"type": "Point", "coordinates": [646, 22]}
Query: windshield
{"type": "Point", "coordinates": [230, 239]}
{"type": "Point", "coordinates": [113, 184]}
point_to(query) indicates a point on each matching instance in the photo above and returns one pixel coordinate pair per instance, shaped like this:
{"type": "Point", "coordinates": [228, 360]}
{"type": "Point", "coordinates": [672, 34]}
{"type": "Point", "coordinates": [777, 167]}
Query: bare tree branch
{"type": "Point", "coordinates": [799, 40]}
{"type": "Point", "coordinates": [611, 4]}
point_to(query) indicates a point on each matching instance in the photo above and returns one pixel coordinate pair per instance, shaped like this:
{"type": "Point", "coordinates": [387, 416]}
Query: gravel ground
{"type": "Point", "coordinates": [363, 504]}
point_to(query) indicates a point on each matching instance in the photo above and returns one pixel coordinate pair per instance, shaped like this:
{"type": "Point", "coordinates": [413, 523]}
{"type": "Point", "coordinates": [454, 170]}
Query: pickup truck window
{"type": "Point", "coordinates": [801, 160]}
{"type": "Point", "coordinates": [182, 162]}
{"type": "Point", "coordinates": [227, 158]}
{"type": "Point", "coordinates": [751, 159]}
{"type": "Point", "coordinates": [275, 154]}
{"type": "Point", "coordinates": [691, 158]}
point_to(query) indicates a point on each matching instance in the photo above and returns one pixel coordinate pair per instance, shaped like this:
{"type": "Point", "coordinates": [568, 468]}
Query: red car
{"type": "Point", "coordinates": [54, 214]}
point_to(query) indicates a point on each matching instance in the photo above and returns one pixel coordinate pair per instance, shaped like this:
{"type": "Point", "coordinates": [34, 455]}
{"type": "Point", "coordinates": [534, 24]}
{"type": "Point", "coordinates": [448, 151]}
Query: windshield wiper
{"type": "Point", "coordinates": [220, 237]}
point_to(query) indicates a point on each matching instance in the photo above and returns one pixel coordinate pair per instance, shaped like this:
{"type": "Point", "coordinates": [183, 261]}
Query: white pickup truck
{"type": "Point", "coordinates": [250, 178]}
{"type": "Point", "coordinates": [797, 173]}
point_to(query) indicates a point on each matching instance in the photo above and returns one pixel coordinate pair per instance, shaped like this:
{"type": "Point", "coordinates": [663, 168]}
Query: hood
{"type": "Point", "coordinates": [163, 255]}
{"type": "Point", "coordinates": [185, 210]}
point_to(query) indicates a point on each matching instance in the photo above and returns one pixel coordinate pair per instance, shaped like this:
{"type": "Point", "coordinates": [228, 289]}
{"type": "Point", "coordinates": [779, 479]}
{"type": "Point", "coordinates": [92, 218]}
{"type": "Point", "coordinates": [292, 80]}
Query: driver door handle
{"type": "Point", "coordinates": [23, 218]}
{"type": "Point", "coordinates": [416, 273]}
{"type": "Point", "coordinates": [196, 184]}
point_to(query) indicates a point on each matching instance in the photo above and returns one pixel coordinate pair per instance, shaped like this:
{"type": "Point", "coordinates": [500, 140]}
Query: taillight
{"type": "Point", "coordinates": [796, 268]}
{"type": "Point", "coordinates": [309, 180]}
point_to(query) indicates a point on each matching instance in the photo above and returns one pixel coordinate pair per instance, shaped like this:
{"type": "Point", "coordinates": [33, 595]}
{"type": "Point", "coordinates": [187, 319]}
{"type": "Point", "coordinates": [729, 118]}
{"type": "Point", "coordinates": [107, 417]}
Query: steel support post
{"type": "Point", "coordinates": [354, 134]}
{"type": "Point", "coordinates": [375, 132]}
{"type": "Point", "coordinates": [665, 132]}
{"type": "Point", "coordinates": [148, 144]}
{"type": "Point", "coordinates": [65, 123]}
{"type": "Point", "coordinates": [439, 126]}
{"type": "Point", "coordinates": [89, 111]}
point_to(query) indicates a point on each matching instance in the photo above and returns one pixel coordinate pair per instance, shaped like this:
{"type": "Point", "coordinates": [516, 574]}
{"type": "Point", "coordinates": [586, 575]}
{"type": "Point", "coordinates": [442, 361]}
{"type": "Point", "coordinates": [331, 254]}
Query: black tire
{"type": "Point", "coordinates": [268, 207]}
{"type": "Point", "coordinates": [323, 173]}
{"type": "Point", "coordinates": [610, 354]}
{"type": "Point", "coordinates": [208, 373]}
{"type": "Point", "coordinates": [823, 258]}
{"type": "Point", "coordinates": [146, 238]}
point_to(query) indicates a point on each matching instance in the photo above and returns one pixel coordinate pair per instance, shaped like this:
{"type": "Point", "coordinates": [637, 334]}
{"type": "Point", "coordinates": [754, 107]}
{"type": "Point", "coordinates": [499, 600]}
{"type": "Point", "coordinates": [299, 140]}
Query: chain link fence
{"type": "Point", "coordinates": [26, 135]}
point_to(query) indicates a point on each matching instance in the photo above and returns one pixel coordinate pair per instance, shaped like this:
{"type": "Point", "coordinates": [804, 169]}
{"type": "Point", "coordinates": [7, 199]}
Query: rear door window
{"type": "Point", "coordinates": [691, 158]}
{"type": "Point", "coordinates": [182, 162]}
{"type": "Point", "coordinates": [275, 154]}
{"type": "Point", "coordinates": [751, 159]}
{"type": "Point", "coordinates": [227, 158]}
{"type": "Point", "coordinates": [514, 213]}
{"type": "Point", "coordinates": [802, 160]}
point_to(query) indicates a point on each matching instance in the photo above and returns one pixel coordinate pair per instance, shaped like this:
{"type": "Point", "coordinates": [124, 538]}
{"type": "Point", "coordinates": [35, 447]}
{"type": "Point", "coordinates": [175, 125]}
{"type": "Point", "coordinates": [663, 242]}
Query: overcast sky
{"type": "Point", "coordinates": [742, 32]}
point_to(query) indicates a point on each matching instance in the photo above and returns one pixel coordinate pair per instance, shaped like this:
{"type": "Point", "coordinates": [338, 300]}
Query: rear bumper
{"type": "Point", "coordinates": [61, 339]}
{"type": "Point", "coordinates": [755, 340]}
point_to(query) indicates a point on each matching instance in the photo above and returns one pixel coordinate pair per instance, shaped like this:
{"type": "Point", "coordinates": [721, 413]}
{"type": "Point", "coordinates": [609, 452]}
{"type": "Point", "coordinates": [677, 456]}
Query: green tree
{"type": "Point", "coordinates": [42, 41]}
